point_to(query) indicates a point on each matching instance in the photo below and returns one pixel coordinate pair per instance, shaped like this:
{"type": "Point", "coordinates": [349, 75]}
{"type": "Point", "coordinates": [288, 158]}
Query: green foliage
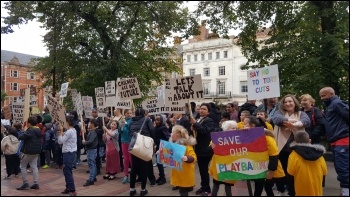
{"type": "Point", "coordinates": [91, 42]}
{"type": "Point", "coordinates": [309, 40]}
{"type": "Point", "coordinates": [3, 96]}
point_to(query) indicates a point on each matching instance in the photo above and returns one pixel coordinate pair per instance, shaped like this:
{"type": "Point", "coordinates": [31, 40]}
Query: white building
{"type": "Point", "coordinates": [219, 61]}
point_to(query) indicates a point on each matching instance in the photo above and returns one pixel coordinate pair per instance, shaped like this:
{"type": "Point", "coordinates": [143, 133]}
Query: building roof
{"type": "Point", "coordinates": [24, 59]}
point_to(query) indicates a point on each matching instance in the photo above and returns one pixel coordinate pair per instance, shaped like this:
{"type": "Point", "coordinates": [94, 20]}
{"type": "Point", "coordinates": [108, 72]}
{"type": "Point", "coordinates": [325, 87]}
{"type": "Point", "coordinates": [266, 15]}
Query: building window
{"type": "Point", "coordinates": [217, 55]}
{"type": "Point", "coordinates": [202, 57]}
{"type": "Point", "coordinates": [221, 70]}
{"type": "Point", "coordinates": [13, 99]}
{"type": "Point", "coordinates": [195, 57]}
{"type": "Point", "coordinates": [206, 88]}
{"type": "Point", "coordinates": [30, 75]}
{"type": "Point", "coordinates": [192, 72]}
{"type": "Point", "coordinates": [206, 72]}
{"type": "Point", "coordinates": [188, 58]}
{"type": "Point", "coordinates": [221, 87]}
{"type": "Point", "coordinates": [14, 73]}
{"type": "Point", "coordinates": [225, 54]}
{"type": "Point", "coordinates": [244, 86]}
{"type": "Point", "coordinates": [14, 86]}
{"type": "Point", "coordinates": [209, 56]}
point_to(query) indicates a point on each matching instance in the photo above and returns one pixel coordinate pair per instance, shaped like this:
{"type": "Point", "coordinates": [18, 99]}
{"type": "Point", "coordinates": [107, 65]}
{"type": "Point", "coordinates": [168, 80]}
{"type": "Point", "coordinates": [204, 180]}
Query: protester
{"type": "Point", "coordinates": [112, 150]}
{"type": "Point", "coordinates": [307, 165]}
{"type": "Point", "coordinates": [247, 106]}
{"type": "Point", "coordinates": [287, 120]}
{"type": "Point", "coordinates": [227, 125]}
{"type": "Point", "coordinates": [185, 178]}
{"type": "Point", "coordinates": [224, 117]}
{"type": "Point", "coordinates": [119, 117]}
{"type": "Point", "coordinates": [202, 129]}
{"type": "Point", "coordinates": [9, 146]}
{"type": "Point", "coordinates": [161, 133]}
{"type": "Point", "coordinates": [140, 167]}
{"type": "Point", "coordinates": [31, 149]}
{"type": "Point", "coordinates": [232, 108]}
{"type": "Point", "coordinates": [48, 144]}
{"type": "Point", "coordinates": [91, 144]}
{"type": "Point", "coordinates": [337, 129]}
{"type": "Point", "coordinates": [244, 114]}
{"type": "Point", "coordinates": [101, 144]}
{"type": "Point", "coordinates": [68, 140]}
{"type": "Point", "coordinates": [77, 125]}
{"type": "Point", "coordinates": [125, 140]}
{"type": "Point", "coordinates": [263, 116]}
{"type": "Point", "coordinates": [316, 129]}
{"type": "Point", "coordinates": [46, 116]}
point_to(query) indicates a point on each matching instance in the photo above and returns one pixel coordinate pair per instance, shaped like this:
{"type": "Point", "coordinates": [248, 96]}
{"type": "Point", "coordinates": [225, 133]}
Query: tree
{"type": "Point", "coordinates": [309, 40]}
{"type": "Point", "coordinates": [3, 96]}
{"type": "Point", "coordinates": [91, 42]}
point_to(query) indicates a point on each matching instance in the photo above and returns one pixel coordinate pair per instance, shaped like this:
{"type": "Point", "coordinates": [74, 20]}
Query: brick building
{"type": "Point", "coordinates": [16, 74]}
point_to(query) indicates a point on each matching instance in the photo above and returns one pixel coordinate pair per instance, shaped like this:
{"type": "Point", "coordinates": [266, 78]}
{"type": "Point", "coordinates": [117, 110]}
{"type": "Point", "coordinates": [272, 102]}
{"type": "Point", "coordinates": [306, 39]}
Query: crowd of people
{"type": "Point", "coordinates": [293, 133]}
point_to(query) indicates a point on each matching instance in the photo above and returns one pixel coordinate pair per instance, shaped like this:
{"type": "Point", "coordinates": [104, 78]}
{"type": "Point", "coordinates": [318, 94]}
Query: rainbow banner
{"type": "Point", "coordinates": [170, 154]}
{"type": "Point", "coordinates": [240, 154]}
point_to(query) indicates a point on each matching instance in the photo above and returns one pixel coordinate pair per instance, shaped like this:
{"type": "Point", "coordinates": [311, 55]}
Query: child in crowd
{"type": "Point", "coordinates": [244, 114]}
{"type": "Point", "coordinates": [91, 143]}
{"type": "Point", "coordinates": [184, 179]}
{"type": "Point", "coordinates": [307, 165]}
{"type": "Point", "coordinates": [224, 117]}
{"type": "Point", "coordinates": [125, 140]}
{"type": "Point", "coordinates": [275, 172]}
{"type": "Point", "coordinates": [263, 115]}
{"type": "Point", "coordinates": [226, 126]}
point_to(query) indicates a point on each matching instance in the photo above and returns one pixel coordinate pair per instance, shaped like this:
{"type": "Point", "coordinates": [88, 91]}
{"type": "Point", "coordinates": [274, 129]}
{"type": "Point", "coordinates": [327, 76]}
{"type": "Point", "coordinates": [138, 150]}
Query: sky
{"type": "Point", "coordinates": [28, 38]}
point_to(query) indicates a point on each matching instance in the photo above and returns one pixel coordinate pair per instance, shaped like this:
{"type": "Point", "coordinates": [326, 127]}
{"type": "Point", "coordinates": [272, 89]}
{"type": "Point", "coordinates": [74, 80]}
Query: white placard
{"type": "Point", "coordinates": [263, 83]}
{"type": "Point", "coordinates": [32, 100]}
{"type": "Point", "coordinates": [88, 105]}
{"type": "Point", "coordinates": [18, 112]}
{"type": "Point", "coordinates": [128, 89]}
{"type": "Point", "coordinates": [119, 104]}
{"type": "Point", "coordinates": [79, 104]}
{"type": "Point", "coordinates": [64, 90]}
{"type": "Point", "coordinates": [179, 90]}
{"type": "Point", "coordinates": [156, 106]}
{"type": "Point", "coordinates": [57, 111]}
{"type": "Point", "coordinates": [110, 88]}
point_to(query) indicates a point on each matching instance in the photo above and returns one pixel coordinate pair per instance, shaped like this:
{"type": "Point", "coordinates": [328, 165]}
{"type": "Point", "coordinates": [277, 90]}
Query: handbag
{"type": "Point", "coordinates": [141, 146]}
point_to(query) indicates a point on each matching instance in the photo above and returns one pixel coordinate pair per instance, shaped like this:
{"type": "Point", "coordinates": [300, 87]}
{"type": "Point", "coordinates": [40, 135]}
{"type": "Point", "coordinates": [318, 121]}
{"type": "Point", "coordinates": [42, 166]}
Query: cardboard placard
{"type": "Point", "coordinates": [57, 110]}
{"type": "Point", "coordinates": [18, 112]}
{"type": "Point", "coordinates": [7, 112]}
{"type": "Point", "coordinates": [64, 90]}
{"type": "Point", "coordinates": [128, 89]}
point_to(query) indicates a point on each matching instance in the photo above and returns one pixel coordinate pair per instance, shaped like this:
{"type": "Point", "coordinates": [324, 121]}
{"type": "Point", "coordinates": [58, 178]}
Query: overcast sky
{"type": "Point", "coordinates": [28, 38]}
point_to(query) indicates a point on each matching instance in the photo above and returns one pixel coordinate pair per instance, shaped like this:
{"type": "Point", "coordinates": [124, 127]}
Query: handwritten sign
{"type": "Point", "coordinates": [32, 100]}
{"type": "Point", "coordinates": [179, 90]}
{"type": "Point", "coordinates": [263, 83]}
{"type": "Point", "coordinates": [18, 112]}
{"type": "Point", "coordinates": [56, 109]}
{"type": "Point", "coordinates": [128, 89]}
{"type": "Point", "coordinates": [156, 106]}
{"type": "Point", "coordinates": [240, 154]}
{"type": "Point", "coordinates": [110, 88]}
{"type": "Point", "coordinates": [79, 104]}
{"type": "Point", "coordinates": [170, 154]}
{"type": "Point", "coordinates": [7, 112]}
{"type": "Point", "coordinates": [64, 90]}
{"type": "Point", "coordinates": [88, 105]}
{"type": "Point", "coordinates": [32, 91]}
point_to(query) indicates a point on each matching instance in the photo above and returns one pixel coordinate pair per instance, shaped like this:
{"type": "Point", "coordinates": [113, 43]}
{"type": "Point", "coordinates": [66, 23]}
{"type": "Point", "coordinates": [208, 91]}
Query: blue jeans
{"type": "Point", "coordinates": [341, 164]}
{"type": "Point", "coordinates": [68, 159]}
{"type": "Point", "coordinates": [91, 159]}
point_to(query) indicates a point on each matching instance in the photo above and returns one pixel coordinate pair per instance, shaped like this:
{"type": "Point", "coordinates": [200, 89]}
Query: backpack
{"type": "Point", "coordinates": [313, 119]}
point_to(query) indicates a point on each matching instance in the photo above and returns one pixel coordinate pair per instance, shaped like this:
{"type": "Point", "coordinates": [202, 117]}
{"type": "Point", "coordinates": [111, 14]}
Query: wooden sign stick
{"type": "Point", "coordinates": [83, 126]}
{"type": "Point", "coordinates": [191, 116]}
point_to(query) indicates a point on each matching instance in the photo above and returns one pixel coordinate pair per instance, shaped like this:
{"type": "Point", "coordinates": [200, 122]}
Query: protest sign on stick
{"type": "Point", "coordinates": [170, 154]}
{"type": "Point", "coordinates": [26, 104]}
{"type": "Point", "coordinates": [156, 106]}
{"type": "Point", "coordinates": [57, 111]}
{"type": "Point", "coordinates": [128, 89]}
{"type": "Point", "coordinates": [64, 90]}
{"type": "Point", "coordinates": [88, 105]}
{"type": "Point", "coordinates": [263, 83]}
{"type": "Point", "coordinates": [240, 154]}
{"type": "Point", "coordinates": [7, 112]}
{"type": "Point", "coordinates": [18, 112]}
{"type": "Point", "coordinates": [180, 90]}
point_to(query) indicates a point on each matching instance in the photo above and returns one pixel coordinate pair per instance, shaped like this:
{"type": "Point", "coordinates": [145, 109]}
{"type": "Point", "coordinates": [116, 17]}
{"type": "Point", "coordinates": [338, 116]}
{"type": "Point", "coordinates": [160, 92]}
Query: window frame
{"type": "Point", "coordinates": [222, 68]}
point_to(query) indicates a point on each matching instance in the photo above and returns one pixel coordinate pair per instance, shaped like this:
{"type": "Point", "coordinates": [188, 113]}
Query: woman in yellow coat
{"type": "Point", "coordinates": [184, 179]}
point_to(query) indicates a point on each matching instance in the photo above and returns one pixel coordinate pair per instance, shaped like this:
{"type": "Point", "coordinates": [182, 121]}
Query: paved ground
{"type": "Point", "coordinates": [52, 183]}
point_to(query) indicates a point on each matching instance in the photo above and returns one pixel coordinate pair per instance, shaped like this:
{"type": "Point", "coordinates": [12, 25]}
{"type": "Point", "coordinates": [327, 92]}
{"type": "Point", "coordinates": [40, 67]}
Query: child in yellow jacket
{"type": "Point", "coordinates": [307, 165]}
{"type": "Point", "coordinates": [275, 171]}
{"type": "Point", "coordinates": [184, 179]}
{"type": "Point", "coordinates": [228, 125]}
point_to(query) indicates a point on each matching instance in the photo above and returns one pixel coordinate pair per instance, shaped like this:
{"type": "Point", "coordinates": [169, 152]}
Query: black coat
{"type": "Point", "coordinates": [203, 130]}
{"type": "Point", "coordinates": [31, 141]}
{"type": "Point", "coordinates": [316, 129]}
{"type": "Point", "coordinates": [147, 129]}
{"type": "Point", "coordinates": [185, 122]}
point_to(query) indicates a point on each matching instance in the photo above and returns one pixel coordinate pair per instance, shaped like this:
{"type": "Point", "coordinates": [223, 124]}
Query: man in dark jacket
{"type": "Point", "coordinates": [31, 149]}
{"type": "Point", "coordinates": [215, 114]}
{"type": "Point", "coordinates": [337, 129]}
